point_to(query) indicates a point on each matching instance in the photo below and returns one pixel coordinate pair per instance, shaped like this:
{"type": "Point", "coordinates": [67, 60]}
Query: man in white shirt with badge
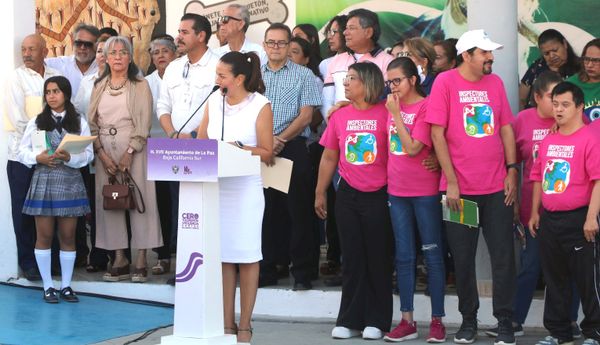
{"type": "Point", "coordinates": [82, 62]}
{"type": "Point", "coordinates": [24, 94]}
{"type": "Point", "coordinates": [234, 23]}
{"type": "Point", "coordinates": [187, 82]}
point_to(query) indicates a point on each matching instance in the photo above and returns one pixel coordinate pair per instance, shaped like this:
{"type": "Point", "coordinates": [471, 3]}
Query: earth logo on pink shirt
{"type": "Point", "coordinates": [557, 175]}
{"type": "Point", "coordinates": [361, 148]}
{"type": "Point", "coordinates": [478, 120]}
{"type": "Point", "coordinates": [396, 147]}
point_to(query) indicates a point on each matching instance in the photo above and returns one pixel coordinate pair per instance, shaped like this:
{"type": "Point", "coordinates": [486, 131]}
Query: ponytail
{"type": "Point", "coordinates": [248, 65]}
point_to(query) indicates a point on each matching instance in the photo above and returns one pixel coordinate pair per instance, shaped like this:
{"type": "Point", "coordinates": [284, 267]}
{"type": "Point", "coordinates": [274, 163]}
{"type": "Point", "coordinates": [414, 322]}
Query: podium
{"type": "Point", "coordinates": [198, 165]}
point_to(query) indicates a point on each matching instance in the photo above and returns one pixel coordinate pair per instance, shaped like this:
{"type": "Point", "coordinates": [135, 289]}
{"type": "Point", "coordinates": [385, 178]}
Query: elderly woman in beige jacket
{"type": "Point", "coordinates": [120, 114]}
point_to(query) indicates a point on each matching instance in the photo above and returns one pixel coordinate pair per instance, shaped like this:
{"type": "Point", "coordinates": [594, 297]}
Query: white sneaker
{"type": "Point", "coordinates": [372, 333]}
{"type": "Point", "coordinates": [340, 332]}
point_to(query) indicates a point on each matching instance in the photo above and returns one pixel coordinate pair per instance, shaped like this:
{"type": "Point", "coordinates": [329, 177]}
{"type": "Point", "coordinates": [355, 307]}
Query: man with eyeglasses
{"type": "Point", "coordinates": [293, 93]}
{"type": "Point", "coordinates": [23, 101]}
{"type": "Point", "coordinates": [471, 132]}
{"type": "Point", "coordinates": [361, 35]}
{"type": "Point", "coordinates": [82, 62]}
{"type": "Point", "coordinates": [233, 24]}
{"type": "Point", "coordinates": [187, 82]}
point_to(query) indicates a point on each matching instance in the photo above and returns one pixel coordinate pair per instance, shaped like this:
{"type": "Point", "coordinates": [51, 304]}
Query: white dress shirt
{"type": "Point", "coordinates": [154, 81]}
{"type": "Point", "coordinates": [78, 160]}
{"type": "Point", "coordinates": [82, 98]}
{"type": "Point", "coordinates": [25, 89]}
{"type": "Point", "coordinates": [67, 66]}
{"type": "Point", "coordinates": [184, 87]}
{"type": "Point", "coordinates": [246, 47]}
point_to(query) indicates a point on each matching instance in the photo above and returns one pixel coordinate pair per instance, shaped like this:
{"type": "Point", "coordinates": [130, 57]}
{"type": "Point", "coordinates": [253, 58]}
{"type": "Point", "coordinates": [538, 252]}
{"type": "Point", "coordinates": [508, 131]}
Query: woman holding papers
{"type": "Point", "coordinates": [413, 198]}
{"type": "Point", "coordinates": [57, 195]}
{"type": "Point", "coordinates": [355, 142]}
{"type": "Point", "coordinates": [248, 124]}
{"type": "Point", "coordinates": [120, 113]}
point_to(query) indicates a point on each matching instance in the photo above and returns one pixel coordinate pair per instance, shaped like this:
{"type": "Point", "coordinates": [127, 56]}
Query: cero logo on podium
{"type": "Point", "coordinates": [190, 221]}
{"type": "Point", "coordinates": [194, 262]}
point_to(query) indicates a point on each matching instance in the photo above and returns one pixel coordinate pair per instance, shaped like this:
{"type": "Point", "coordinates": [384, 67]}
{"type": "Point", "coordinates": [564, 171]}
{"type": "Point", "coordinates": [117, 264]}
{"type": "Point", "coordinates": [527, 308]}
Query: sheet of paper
{"type": "Point", "coordinates": [33, 106]}
{"type": "Point", "coordinates": [39, 143]}
{"type": "Point", "coordinates": [75, 143]}
{"type": "Point", "coordinates": [277, 176]}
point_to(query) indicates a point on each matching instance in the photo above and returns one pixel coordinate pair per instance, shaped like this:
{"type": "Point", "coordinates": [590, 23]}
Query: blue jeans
{"type": "Point", "coordinates": [527, 279]}
{"type": "Point", "coordinates": [424, 214]}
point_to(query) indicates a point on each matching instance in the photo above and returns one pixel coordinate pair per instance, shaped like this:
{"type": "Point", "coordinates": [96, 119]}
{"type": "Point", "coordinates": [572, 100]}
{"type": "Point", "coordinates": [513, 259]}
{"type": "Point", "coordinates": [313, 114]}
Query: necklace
{"type": "Point", "coordinates": [115, 88]}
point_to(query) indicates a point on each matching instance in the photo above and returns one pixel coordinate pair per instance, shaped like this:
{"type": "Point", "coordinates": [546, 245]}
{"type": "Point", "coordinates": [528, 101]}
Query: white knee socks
{"type": "Point", "coordinates": [67, 262]}
{"type": "Point", "coordinates": [43, 259]}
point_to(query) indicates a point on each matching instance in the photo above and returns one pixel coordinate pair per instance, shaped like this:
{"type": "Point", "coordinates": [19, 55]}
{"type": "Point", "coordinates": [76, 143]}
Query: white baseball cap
{"type": "Point", "coordinates": [475, 38]}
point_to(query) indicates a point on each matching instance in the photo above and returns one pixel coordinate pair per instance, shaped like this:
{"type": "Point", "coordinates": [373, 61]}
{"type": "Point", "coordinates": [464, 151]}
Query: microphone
{"type": "Point", "coordinates": [223, 115]}
{"type": "Point", "coordinates": [215, 88]}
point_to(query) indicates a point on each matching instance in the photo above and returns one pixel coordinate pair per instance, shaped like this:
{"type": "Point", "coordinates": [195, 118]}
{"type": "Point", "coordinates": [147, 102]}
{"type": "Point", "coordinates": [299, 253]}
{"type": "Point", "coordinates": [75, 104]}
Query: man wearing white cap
{"type": "Point", "coordinates": [470, 121]}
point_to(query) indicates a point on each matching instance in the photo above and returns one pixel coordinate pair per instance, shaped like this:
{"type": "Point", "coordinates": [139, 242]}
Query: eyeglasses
{"type": "Point", "coordinates": [331, 32]}
{"type": "Point", "coordinates": [84, 44]}
{"type": "Point", "coordinates": [120, 53]}
{"type": "Point", "coordinates": [226, 19]}
{"type": "Point", "coordinates": [590, 60]}
{"type": "Point", "coordinates": [403, 54]}
{"type": "Point", "coordinates": [347, 79]}
{"type": "Point", "coordinates": [395, 81]}
{"type": "Point", "coordinates": [278, 44]}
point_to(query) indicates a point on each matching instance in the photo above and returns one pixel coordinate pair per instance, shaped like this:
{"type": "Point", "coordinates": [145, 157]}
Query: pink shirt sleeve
{"type": "Point", "coordinates": [438, 105]}
{"type": "Point", "coordinates": [592, 163]}
{"type": "Point", "coordinates": [422, 129]}
{"type": "Point", "coordinates": [329, 139]}
{"type": "Point", "coordinates": [506, 117]}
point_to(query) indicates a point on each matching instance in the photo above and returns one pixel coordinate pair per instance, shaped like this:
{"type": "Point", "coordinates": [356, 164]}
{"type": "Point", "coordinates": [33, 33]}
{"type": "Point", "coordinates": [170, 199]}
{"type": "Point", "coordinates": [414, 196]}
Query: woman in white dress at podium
{"type": "Point", "coordinates": [242, 116]}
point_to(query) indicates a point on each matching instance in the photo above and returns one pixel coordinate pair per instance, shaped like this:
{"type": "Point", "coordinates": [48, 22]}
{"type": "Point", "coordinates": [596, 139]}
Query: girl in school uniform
{"type": "Point", "coordinates": [57, 195]}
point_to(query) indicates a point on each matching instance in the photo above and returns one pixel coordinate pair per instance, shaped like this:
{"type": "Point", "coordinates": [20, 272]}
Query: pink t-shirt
{"type": "Point", "coordinates": [530, 129]}
{"type": "Point", "coordinates": [567, 166]}
{"type": "Point", "coordinates": [406, 174]}
{"type": "Point", "coordinates": [360, 137]}
{"type": "Point", "coordinates": [472, 113]}
{"type": "Point", "coordinates": [340, 63]}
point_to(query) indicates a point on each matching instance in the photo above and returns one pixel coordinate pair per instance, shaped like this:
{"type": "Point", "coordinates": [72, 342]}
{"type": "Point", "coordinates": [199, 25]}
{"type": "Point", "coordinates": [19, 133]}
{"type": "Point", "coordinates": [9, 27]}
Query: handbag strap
{"type": "Point", "coordinates": [127, 176]}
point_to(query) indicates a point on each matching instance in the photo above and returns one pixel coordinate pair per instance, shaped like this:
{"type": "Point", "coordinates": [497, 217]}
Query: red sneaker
{"type": "Point", "coordinates": [437, 332]}
{"type": "Point", "coordinates": [404, 331]}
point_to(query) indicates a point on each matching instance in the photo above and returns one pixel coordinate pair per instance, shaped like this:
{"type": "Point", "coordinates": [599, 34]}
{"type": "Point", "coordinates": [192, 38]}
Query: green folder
{"type": "Point", "coordinates": [469, 215]}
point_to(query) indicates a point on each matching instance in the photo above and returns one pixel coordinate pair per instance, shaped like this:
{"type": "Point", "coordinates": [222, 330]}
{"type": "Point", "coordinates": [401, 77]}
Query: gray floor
{"type": "Point", "coordinates": [313, 332]}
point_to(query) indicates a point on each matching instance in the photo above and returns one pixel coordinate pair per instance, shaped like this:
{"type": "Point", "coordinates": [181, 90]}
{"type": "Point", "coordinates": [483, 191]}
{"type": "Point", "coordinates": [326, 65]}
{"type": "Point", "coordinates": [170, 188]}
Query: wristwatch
{"type": "Point", "coordinates": [130, 150]}
{"type": "Point", "coordinates": [515, 166]}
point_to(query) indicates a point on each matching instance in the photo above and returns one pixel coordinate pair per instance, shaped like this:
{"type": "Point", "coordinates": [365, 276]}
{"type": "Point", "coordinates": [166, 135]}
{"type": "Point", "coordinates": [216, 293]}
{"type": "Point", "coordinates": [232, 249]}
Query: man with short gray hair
{"type": "Point", "coordinates": [233, 24]}
{"type": "Point", "coordinates": [82, 62]}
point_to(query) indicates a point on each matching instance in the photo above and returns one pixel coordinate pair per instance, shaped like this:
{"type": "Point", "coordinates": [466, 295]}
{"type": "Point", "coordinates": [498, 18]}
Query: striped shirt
{"type": "Point", "coordinates": [289, 89]}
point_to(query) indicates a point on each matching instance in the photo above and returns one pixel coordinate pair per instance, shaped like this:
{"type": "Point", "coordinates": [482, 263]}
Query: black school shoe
{"type": "Point", "coordinates": [68, 295]}
{"type": "Point", "coordinates": [50, 296]}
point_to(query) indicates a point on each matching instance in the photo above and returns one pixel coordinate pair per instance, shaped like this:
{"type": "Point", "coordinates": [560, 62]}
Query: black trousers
{"type": "Point", "coordinates": [288, 219]}
{"type": "Point", "coordinates": [566, 256]}
{"type": "Point", "coordinates": [495, 219]}
{"type": "Point", "coordinates": [167, 216]}
{"type": "Point", "coordinates": [366, 239]}
{"type": "Point", "coordinates": [19, 179]}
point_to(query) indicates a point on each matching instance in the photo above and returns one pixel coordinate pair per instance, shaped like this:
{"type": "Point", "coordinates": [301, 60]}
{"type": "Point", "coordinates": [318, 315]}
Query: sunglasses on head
{"type": "Point", "coordinates": [84, 44]}
{"type": "Point", "coordinates": [226, 19]}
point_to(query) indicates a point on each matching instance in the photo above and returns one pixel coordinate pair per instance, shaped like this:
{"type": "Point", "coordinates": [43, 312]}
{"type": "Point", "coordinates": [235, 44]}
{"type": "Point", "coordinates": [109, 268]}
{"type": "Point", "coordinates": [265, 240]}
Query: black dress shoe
{"type": "Point", "coordinates": [302, 286]}
{"type": "Point", "coordinates": [67, 294]}
{"type": "Point", "coordinates": [50, 296]}
{"type": "Point", "coordinates": [32, 274]}
{"type": "Point", "coordinates": [266, 281]}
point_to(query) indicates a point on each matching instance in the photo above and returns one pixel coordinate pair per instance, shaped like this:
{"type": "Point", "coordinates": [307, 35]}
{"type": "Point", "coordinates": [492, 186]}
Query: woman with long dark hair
{"type": "Point", "coordinates": [588, 79]}
{"type": "Point", "coordinates": [57, 195]}
{"type": "Point", "coordinates": [243, 117]}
